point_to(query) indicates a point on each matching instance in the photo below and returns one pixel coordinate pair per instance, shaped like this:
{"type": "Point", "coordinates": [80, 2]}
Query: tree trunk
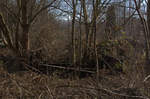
{"type": "Point", "coordinates": [86, 26]}
{"type": "Point", "coordinates": [25, 38]}
{"type": "Point", "coordinates": [73, 33]}
{"type": "Point", "coordinates": [147, 67]}
{"type": "Point", "coordinates": [148, 15]}
{"type": "Point", "coordinates": [25, 26]}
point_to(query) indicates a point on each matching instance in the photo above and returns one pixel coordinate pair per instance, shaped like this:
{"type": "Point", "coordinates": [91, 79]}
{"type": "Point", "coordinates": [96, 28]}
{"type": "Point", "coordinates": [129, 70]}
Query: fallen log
{"type": "Point", "coordinates": [67, 68]}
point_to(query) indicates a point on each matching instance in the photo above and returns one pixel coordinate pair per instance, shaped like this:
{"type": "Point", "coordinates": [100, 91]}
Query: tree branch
{"type": "Point", "coordinates": [43, 8]}
{"type": "Point", "coordinates": [5, 32]}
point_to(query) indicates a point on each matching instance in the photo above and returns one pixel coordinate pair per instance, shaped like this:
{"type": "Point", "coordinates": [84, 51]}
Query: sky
{"type": "Point", "coordinates": [64, 7]}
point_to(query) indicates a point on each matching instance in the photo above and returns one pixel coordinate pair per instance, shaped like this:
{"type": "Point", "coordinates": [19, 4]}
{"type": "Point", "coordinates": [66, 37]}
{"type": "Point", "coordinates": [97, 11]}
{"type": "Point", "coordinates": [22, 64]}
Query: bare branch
{"type": "Point", "coordinates": [5, 32]}
{"type": "Point", "coordinates": [67, 68]}
{"type": "Point", "coordinates": [12, 13]}
{"type": "Point", "coordinates": [43, 8]}
{"type": "Point", "coordinates": [146, 78]}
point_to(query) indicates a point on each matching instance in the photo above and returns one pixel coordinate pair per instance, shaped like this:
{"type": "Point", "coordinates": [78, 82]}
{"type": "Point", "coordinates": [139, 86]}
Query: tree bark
{"type": "Point", "coordinates": [148, 14]}
{"type": "Point", "coordinates": [146, 35]}
{"type": "Point", "coordinates": [73, 33]}
{"type": "Point", "coordinates": [25, 25]}
{"type": "Point", "coordinates": [147, 67]}
{"type": "Point", "coordinates": [86, 26]}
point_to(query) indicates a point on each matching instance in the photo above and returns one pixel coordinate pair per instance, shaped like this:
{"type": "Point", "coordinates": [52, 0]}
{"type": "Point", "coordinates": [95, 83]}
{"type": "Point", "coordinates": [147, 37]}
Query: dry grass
{"type": "Point", "coordinates": [29, 85]}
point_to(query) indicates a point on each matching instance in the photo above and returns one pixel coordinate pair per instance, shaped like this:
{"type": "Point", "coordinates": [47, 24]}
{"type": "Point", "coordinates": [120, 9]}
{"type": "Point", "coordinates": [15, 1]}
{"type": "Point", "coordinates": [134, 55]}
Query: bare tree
{"type": "Point", "coordinates": [85, 15]}
{"type": "Point", "coordinates": [25, 17]}
{"type": "Point", "coordinates": [110, 22]}
{"type": "Point", "coordinates": [146, 32]}
{"type": "Point", "coordinates": [74, 3]}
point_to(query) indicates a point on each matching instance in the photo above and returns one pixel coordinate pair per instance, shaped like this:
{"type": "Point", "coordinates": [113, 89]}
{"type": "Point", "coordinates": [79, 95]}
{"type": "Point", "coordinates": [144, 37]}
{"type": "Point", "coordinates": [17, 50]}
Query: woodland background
{"type": "Point", "coordinates": [75, 49]}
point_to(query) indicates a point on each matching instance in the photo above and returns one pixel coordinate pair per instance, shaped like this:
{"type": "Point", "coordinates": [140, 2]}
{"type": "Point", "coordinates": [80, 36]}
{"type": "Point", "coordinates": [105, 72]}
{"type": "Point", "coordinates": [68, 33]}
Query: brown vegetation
{"type": "Point", "coordinates": [74, 49]}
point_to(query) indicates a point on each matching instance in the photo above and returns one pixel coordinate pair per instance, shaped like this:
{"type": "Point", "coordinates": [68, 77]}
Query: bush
{"type": "Point", "coordinates": [112, 55]}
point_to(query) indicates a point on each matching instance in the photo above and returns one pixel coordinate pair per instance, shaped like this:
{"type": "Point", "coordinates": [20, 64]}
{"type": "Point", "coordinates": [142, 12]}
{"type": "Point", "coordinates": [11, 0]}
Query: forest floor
{"type": "Point", "coordinates": [29, 85]}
